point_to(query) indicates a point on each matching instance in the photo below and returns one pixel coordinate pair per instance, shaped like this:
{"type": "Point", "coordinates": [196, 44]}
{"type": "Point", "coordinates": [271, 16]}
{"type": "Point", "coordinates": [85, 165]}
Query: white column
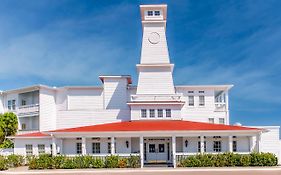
{"type": "Point", "coordinates": [230, 144]}
{"type": "Point", "coordinates": [202, 144]}
{"type": "Point", "coordinates": [258, 142]}
{"type": "Point", "coordinates": [141, 151]}
{"type": "Point", "coordinates": [54, 146]}
{"type": "Point", "coordinates": [174, 151]}
{"type": "Point", "coordinates": [112, 145]}
{"type": "Point", "coordinates": [251, 144]}
{"type": "Point", "coordinates": [84, 151]}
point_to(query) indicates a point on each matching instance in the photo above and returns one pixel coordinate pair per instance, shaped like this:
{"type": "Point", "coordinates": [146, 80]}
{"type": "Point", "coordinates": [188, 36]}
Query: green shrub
{"type": "Point", "coordinates": [15, 160]}
{"type": "Point", "coordinates": [3, 163]}
{"type": "Point", "coordinates": [68, 163]}
{"type": "Point", "coordinates": [228, 160]}
{"type": "Point", "coordinates": [44, 161]}
{"type": "Point", "coordinates": [58, 161]}
{"type": "Point", "coordinates": [111, 162]}
{"type": "Point", "coordinates": [134, 162]}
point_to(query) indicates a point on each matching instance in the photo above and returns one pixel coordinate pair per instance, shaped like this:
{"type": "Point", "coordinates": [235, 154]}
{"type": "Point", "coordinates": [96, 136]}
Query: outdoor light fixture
{"type": "Point", "coordinates": [186, 143]}
{"type": "Point", "coordinates": [127, 144]}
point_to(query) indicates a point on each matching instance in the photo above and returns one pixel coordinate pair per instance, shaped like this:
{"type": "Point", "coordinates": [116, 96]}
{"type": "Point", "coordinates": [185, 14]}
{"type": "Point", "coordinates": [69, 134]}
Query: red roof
{"type": "Point", "coordinates": [34, 134]}
{"type": "Point", "coordinates": [155, 125]}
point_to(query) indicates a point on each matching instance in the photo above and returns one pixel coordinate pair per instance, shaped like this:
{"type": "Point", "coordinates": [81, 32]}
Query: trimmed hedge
{"type": "Point", "coordinates": [11, 161]}
{"type": "Point", "coordinates": [228, 160]}
{"type": "Point", "coordinates": [46, 161]}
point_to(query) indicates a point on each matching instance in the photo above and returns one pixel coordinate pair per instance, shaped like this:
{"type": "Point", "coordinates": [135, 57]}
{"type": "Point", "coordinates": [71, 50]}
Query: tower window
{"type": "Point", "coordinates": [157, 13]}
{"type": "Point", "coordinates": [160, 113]}
{"type": "Point", "coordinates": [201, 100]}
{"type": "Point", "coordinates": [149, 13]}
{"type": "Point", "coordinates": [190, 100]}
{"type": "Point", "coordinates": [168, 113]}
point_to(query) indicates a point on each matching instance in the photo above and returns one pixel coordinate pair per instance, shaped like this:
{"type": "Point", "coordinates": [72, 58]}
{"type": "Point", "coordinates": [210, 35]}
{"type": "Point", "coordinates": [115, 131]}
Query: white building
{"type": "Point", "coordinates": [157, 120]}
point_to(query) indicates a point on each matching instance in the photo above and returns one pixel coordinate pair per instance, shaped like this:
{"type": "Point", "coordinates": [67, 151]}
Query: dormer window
{"type": "Point", "coordinates": [157, 13]}
{"type": "Point", "coordinates": [149, 13]}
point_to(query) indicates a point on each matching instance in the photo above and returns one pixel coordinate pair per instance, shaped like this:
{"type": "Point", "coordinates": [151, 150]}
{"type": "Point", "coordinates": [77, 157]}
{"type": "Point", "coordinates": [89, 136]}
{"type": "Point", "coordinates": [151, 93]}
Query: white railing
{"type": "Point", "coordinates": [103, 156]}
{"type": "Point", "coordinates": [6, 151]}
{"type": "Point", "coordinates": [160, 97]}
{"type": "Point", "coordinates": [220, 106]}
{"type": "Point", "coordinates": [28, 110]}
{"type": "Point", "coordinates": [27, 131]}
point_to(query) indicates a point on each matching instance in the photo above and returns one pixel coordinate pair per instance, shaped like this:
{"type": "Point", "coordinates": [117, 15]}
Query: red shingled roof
{"type": "Point", "coordinates": [34, 134]}
{"type": "Point", "coordinates": [155, 125]}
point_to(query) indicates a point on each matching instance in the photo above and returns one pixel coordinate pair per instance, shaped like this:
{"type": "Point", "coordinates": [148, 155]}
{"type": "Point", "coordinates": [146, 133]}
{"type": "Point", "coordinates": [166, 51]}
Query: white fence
{"type": "Point", "coordinates": [6, 151]}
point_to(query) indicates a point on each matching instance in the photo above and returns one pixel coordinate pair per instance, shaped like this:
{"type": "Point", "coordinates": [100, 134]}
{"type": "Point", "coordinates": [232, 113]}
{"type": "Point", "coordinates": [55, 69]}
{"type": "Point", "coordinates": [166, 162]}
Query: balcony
{"type": "Point", "coordinates": [156, 98]}
{"type": "Point", "coordinates": [220, 106]}
{"type": "Point", "coordinates": [28, 110]}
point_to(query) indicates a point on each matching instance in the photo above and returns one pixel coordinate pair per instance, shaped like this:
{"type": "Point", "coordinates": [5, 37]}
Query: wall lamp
{"type": "Point", "coordinates": [186, 143]}
{"type": "Point", "coordinates": [127, 144]}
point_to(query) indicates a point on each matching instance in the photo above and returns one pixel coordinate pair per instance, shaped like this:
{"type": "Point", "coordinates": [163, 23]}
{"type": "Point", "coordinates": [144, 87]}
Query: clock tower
{"type": "Point", "coordinates": [155, 70]}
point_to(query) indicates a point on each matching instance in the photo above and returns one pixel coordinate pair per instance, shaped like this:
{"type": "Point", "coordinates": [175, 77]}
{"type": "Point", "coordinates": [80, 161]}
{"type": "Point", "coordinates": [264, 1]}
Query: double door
{"type": "Point", "coordinates": [157, 151]}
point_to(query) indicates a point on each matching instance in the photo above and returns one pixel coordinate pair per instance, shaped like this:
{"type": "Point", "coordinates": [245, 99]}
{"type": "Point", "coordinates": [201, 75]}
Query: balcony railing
{"type": "Point", "coordinates": [148, 97]}
{"type": "Point", "coordinates": [27, 131]}
{"type": "Point", "coordinates": [220, 106]}
{"type": "Point", "coordinates": [28, 110]}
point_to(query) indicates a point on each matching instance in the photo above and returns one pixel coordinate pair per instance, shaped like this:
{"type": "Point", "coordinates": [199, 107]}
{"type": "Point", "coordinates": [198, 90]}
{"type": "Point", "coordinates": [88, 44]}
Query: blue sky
{"type": "Point", "coordinates": [69, 42]}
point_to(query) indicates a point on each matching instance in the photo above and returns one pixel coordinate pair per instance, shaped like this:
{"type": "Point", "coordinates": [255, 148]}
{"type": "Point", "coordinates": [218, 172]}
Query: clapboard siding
{"type": "Point", "coordinates": [47, 109]}
{"type": "Point", "coordinates": [85, 99]}
{"type": "Point", "coordinates": [154, 53]}
{"type": "Point", "coordinates": [83, 117]}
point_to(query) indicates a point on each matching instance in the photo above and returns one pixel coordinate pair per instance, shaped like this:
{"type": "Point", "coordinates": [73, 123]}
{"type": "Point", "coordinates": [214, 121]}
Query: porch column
{"type": "Point", "coordinates": [54, 146]}
{"type": "Point", "coordinates": [141, 151]}
{"type": "Point", "coordinates": [251, 143]}
{"type": "Point", "coordinates": [230, 144]}
{"type": "Point", "coordinates": [112, 145]}
{"type": "Point", "coordinates": [258, 142]}
{"type": "Point", "coordinates": [202, 144]}
{"type": "Point", "coordinates": [174, 151]}
{"type": "Point", "coordinates": [84, 151]}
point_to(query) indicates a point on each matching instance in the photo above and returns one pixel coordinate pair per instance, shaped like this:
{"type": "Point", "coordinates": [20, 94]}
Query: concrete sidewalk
{"type": "Point", "coordinates": [154, 171]}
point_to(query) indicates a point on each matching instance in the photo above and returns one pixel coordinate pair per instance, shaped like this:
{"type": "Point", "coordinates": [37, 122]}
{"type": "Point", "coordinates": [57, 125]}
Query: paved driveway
{"type": "Point", "coordinates": [152, 171]}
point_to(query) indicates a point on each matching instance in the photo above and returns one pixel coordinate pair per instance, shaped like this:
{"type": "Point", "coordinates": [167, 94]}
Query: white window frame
{"type": "Point", "coordinates": [12, 105]}
{"type": "Point", "coordinates": [41, 149]}
{"type": "Point", "coordinates": [151, 113]}
{"type": "Point", "coordinates": [160, 113]}
{"type": "Point", "coordinates": [143, 113]}
{"type": "Point", "coordinates": [150, 13]}
{"type": "Point", "coordinates": [234, 146]}
{"type": "Point", "coordinates": [29, 149]}
{"type": "Point", "coordinates": [217, 146]}
{"type": "Point", "coordinates": [109, 147]}
{"type": "Point", "coordinates": [211, 120]}
{"type": "Point", "coordinates": [201, 100]}
{"type": "Point", "coordinates": [96, 147]}
{"type": "Point", "coordinates": [191, 100]}
{"type": "Point", "coordinates": [221, 121]}
{"type": "Point", "coordinates": [168, 113]}
{"type": "Point", "coordinates": [157, 14]}
{"type": "Point", "coordinates": [199, 146]}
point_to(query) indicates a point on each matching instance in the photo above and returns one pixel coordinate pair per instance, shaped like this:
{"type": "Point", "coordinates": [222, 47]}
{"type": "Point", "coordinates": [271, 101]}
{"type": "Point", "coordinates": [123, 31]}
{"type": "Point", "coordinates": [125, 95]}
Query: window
{"type": "Point", "coordinates": [211, 120]}
{"type": "Point", "coordinates": [151, 113]}
{"type": "Point", "coordinates": [41, 149]}
{"type": "Point", "coordinates": [161, 148]}
{"type": "Point", "coordinates": [95, 148]}
{"type": "Point", "coordinates": [217, 146]}
{"type": "Point", "coordinates": [201, 100]}
{"type": "Point", "coordinates": [190, 92]}
{"type": "Point", "coordinates": [23, 126]}
{"type": "Point", "coordinates": [11, 104]}
{"type": "Point", "coordinates": [199, 146]}
{"type": "Point", "coordinates": [190, 100]}
{"type": "Point", "coordinates": [109, 148]}
{"type": "Point", "coordinates": [157, 13]}
{"type": "Point", "coordinates": [201, 92]}
{"type": "Point", "coordinates": [151, 148]}
{"type": "Point", "coordinates": [160, 113]}
{"type": "Point", "coordinates": [79, 148]}
{"type": "Point", "coordinates": [78, 138]}
{"type": "Point", "coordinates": [23, 102]}
{"type": "Point", "coordinates": [234, 146]}
{"type": "Point", "coordinates": [149, 13]}
{"type": "Point", "coordinates": [28, 150]}
{"type": "Point", "coordinates": [221, 120]}
{"type": "Point", "coordinates": [143, 113]}
{"type": "Point", "coordinates": [168, 113]}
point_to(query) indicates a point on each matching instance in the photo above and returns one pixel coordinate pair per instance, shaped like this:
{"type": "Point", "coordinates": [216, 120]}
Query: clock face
{"type": "Point", "coordinates": [154, 38]}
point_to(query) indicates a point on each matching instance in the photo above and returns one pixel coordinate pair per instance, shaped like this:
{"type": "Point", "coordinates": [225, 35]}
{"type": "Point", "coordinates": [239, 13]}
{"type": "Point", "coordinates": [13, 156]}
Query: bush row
{"type": "Point", "coordinates": [11, 161]}
{"type": "Point", "coordinates": [228, 160]}
{"type": "Point", "coordinates": [63, 162]}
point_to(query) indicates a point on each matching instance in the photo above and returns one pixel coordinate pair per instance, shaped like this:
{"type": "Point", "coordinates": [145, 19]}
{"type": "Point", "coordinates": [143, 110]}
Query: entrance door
{"type": "Point", "coordinates": [157, 151]}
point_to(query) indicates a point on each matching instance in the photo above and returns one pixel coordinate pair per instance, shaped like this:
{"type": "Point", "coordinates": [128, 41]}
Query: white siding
{"type": "Point", "coordinates": [87, 99]}
{"type": "Point", "coordinates": [47, 110]}
{"type": "Point", "coordinates": [157, 80]}
{"type": "Point", "coordinates": [115, 93]}
{"type": "Point", "coordinates": [154, 53]}
{"type": "Point", "coordinates": [1, 104]}
{"type": "Point", "coordinates": [20, 145]}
